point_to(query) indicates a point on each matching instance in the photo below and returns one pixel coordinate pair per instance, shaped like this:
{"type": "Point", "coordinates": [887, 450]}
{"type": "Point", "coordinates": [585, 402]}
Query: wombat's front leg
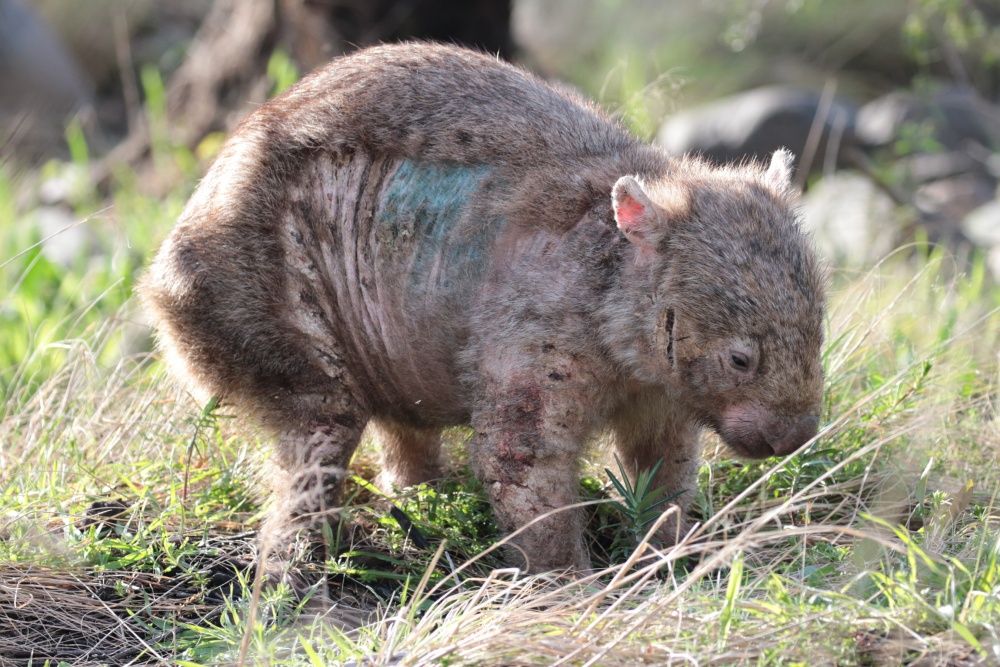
{"type": "Point", "coordinates": [647, 430]}
{"type": "Point", "coordinates": [529, 429]}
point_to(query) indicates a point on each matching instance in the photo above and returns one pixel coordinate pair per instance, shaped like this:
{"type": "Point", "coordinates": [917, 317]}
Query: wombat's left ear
{"type": "Point", "coordinates": [643, 222]}
{"type": "Point", "coordinates": [779, 174]}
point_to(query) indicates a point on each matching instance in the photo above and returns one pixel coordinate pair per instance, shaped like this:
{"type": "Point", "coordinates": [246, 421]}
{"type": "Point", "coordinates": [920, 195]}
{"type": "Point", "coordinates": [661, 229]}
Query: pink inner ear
{"type": "Point", "coordinates": [628, 213]}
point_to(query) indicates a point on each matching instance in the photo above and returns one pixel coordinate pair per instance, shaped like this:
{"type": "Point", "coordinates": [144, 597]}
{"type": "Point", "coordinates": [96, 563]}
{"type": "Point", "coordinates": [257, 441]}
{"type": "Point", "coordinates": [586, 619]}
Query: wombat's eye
{"type": "Point", "coordinates": [740, 361]}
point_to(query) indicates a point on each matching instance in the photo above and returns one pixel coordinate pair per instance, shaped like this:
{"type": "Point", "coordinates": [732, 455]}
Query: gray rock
{"type": "Point", "coordinates": [955, 197]}
{"type": "Point", "coordinates": [755, 123]}
{"type": "Point", "coordinates": [851, 219]}
{"type": "Point", "coordinates": [950, 116]}
{"type": "Point", "coordinates": [65, 239]}
{"type": "Point", "coordinates": [982, 227]}
{"type": "Point", "coordinates": [927, 167]}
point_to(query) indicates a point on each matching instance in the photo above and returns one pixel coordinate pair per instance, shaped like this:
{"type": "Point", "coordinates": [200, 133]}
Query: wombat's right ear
{"type": "Point", "coordinates": [642, 221]}
{"type": "Point", "coordinates": [779, 174]}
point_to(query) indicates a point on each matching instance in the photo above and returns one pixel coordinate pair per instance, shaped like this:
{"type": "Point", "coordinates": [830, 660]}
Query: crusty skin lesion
{"type": "Point", "coordinates": [419, 236]}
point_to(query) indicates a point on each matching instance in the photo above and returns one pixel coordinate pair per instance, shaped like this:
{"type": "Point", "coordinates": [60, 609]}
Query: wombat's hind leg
{"type": "Point", "coordinates": [409, 454]}
{"type": "Point", "coordinates": [317, 435]}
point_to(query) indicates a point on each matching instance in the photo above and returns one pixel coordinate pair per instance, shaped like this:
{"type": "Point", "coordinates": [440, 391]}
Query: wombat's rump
{"type": "Point", "coordinates": [419, 236]}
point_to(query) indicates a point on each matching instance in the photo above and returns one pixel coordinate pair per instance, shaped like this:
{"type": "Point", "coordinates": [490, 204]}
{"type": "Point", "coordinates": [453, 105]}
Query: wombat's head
{"type": "Point", "coordinates": [736, 324]}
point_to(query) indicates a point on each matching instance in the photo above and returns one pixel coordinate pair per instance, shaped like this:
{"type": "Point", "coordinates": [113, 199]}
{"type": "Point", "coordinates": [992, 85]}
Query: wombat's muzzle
{"type": "Point", "coordinates": [785, 441]}
{"type": "Point", "coordinates": [754, 432]}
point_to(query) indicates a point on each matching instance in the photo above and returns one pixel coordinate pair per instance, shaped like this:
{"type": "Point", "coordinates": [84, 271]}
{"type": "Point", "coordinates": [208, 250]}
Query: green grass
{"type": "Point", "coordinates": [878, 545]}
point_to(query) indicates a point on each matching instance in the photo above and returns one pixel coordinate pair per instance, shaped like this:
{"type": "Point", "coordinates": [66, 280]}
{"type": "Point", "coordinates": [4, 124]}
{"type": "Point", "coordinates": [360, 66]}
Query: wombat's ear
{"type": "Point", "coordinates": [636, 215]}
{"type": "Point", "coordinates": [779, 174]}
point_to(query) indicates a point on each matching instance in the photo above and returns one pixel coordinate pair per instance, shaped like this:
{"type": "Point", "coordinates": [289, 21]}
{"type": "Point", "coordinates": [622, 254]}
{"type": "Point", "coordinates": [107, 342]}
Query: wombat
{"type": "Point", "coordinates": [419, 236]}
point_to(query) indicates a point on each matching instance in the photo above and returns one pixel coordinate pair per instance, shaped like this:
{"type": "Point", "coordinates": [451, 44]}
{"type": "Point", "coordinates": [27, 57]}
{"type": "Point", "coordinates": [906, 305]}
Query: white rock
{"type": "Point", "coordinates": [853, 221]}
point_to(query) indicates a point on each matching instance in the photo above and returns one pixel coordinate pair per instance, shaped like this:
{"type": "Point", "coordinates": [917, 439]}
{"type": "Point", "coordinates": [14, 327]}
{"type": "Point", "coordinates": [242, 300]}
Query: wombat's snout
{"type": "Point", "coordinates": [752, 432]}
{"type": "Point", "coordinates": [785, 441]}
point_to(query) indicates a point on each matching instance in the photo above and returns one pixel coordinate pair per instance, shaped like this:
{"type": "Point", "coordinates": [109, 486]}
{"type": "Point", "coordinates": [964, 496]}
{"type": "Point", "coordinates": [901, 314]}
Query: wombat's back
{"type": "Point", "coordinates": [438, 103]}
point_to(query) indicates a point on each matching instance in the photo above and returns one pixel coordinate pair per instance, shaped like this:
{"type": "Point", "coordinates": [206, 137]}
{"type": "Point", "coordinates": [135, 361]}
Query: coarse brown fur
{"type": "Point", "coordinates": [420, 236]}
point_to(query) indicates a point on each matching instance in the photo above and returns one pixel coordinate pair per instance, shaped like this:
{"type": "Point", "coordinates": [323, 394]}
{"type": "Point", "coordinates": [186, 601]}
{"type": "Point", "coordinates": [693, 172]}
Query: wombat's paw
{"type": "Point", "coordinates": [389, 484]}
{"type": "Point", "coordinates": [674, 528]}
{"type": "Point", "coordinates": [564, 559]}
{"type": "Point", "coordinates": [311, 495]}
{"type": "Point", "coordinates": [388, 481]}
{"type": "Point", "coordinates": [297, 540]}
{"type": "Point", "coordinates": [296, 563]}
{"type": "Point", "coordinates": [305, 514]}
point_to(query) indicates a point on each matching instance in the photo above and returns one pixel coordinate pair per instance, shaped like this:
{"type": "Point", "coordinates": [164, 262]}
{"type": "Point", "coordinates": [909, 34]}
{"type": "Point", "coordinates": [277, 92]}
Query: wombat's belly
{"type": "Point", "coordinates": [385, 262]}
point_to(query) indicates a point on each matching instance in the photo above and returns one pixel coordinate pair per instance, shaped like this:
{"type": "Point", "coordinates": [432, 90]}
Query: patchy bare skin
{"type": "Point", "coordinates": [419, 236]}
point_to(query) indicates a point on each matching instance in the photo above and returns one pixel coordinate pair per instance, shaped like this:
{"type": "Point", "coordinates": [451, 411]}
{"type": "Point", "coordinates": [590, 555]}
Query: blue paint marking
{"type": "Point", "coordinates": [427, 201]}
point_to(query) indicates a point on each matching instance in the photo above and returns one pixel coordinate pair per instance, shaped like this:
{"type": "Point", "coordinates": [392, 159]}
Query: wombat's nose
{"type": "Point", "coordinates": [795, 436]}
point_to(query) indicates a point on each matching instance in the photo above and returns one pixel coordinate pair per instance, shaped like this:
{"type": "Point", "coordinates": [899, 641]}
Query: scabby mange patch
{"type": "Point", "coordinates": [427, 204]}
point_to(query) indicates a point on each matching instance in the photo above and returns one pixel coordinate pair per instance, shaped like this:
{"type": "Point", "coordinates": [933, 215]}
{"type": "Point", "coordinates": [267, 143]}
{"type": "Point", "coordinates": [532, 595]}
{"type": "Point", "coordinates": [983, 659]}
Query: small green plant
{"type": "Point", "coordinates": [640, 505]}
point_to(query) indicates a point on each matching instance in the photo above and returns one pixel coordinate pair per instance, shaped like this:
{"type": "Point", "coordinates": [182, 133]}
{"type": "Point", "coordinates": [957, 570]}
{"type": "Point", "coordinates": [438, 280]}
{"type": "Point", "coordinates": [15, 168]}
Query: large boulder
{"type": "Point", "coordinates": [755, 123]}
{"type": "Point", "coordinates": [950, 117]}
